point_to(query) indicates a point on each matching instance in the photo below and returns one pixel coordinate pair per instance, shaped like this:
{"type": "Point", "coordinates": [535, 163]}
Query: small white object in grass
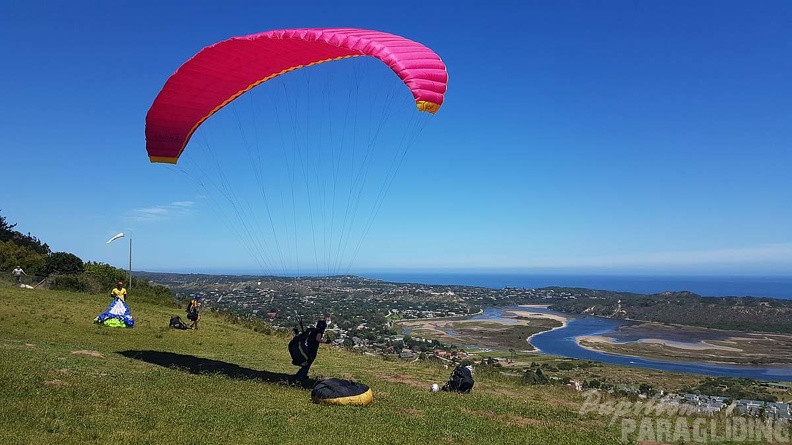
{"type": "Point", "coordinates": [435, 387]}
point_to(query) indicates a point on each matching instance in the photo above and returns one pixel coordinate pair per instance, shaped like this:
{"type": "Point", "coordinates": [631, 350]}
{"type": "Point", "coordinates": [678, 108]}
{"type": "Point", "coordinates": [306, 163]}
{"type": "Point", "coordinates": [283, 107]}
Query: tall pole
{"type": "Point", "coordinates": [130, 263]}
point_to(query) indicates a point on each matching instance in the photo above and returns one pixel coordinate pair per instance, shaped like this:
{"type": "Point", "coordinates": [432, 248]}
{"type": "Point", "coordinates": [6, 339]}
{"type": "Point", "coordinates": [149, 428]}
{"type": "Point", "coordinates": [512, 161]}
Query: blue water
{"type": "Point", "coordinates": [710, 286]}
{"type": "Point", "coordinates": [563, 342]}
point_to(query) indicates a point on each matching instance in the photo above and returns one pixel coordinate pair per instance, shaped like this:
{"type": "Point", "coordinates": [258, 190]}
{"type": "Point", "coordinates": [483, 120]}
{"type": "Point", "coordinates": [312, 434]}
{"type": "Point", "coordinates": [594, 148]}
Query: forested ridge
{"type": "Point", "coordinates": [687, 308]}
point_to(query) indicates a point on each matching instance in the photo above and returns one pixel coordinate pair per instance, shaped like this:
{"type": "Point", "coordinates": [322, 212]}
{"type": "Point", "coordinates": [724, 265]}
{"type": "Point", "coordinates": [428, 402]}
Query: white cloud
{"type": "Point", "coordinates": [162, 212]}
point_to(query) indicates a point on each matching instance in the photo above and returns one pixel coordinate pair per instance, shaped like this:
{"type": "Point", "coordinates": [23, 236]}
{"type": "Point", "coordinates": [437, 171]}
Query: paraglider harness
{"type": "Point", "coordinates": [177, 323]}
{"type": "Point", "coordinates": [303, 347]}
{"type": "Point", "coordinates": [461, 380]}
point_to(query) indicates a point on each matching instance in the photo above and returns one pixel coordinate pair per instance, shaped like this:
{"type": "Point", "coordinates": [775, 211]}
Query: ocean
{"type": "Point", "coordinates": [709, 286]}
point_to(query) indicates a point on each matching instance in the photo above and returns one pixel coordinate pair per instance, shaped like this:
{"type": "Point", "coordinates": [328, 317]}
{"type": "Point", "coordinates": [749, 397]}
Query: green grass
{"type": "Point", "coordinates": [64, 380]}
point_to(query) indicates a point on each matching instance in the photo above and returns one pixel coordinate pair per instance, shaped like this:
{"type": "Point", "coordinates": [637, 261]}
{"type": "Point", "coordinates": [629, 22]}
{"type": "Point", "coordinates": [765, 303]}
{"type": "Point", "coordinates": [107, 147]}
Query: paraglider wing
{"type": "Point", "coordinates": [220, 73]}
{"type": "Point", "coordinates": [341, 392]}
{"type": "Point", "coordinates": [116, 315]}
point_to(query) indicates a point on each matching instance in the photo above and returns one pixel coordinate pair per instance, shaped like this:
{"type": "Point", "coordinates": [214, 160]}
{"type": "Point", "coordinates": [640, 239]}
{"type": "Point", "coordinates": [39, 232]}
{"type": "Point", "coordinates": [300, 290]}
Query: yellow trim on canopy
{"type": "Point", "coordinates": [163, 159]}
{"type": "Point", "coordinates": [429, 107]}
{"type": "Point", "coordinates": [360, 400]}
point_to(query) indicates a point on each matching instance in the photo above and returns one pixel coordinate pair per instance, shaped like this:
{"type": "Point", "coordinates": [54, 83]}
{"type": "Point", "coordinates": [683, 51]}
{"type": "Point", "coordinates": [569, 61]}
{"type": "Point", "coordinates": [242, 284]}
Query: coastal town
{"type": "Point", "coordinates": [365, 312]}
{"type": "Point", "coordinates": [369, 312]}
{"type": "Point", "coordinates": [412, 321]}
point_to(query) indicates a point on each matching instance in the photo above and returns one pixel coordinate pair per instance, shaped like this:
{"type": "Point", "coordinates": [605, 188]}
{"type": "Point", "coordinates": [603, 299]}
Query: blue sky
{"type": "Point", "coordinates": [576, 136]}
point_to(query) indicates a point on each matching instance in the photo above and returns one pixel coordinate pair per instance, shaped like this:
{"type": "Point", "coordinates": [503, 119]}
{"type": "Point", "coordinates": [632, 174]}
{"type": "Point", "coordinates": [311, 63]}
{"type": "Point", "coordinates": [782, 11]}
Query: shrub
{"type": "Point", "coordinates": [105, 274]}
{"type": "Point", "coordinates": [74, 283]}
{"type": "Point", "coordinates": [536, 377]}
{"type": "Point", "coordinates": [63, 263]}
{"type": "Point", "coordinates": [566, 366]}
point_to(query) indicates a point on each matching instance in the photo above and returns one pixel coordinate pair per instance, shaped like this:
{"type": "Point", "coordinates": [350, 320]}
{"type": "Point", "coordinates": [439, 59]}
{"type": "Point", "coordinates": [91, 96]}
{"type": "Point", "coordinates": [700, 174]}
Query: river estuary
{"type": "Point", "coordinates": [562, 342]}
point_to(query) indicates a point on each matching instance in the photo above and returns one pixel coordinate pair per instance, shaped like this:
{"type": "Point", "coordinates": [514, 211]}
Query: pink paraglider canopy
{"type": "Point", "coordinates": [220, 73]}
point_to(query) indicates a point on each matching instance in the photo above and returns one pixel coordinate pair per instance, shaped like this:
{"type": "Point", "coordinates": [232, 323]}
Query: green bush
{"type": "Point", "coordinates": [142, 290]}
{"type": "Point", "coordinates": [105, 274]}
{"type": "Point", "coordinates": [74, 283]}
{"type": "Point", "coordinates": [566, 366]}
{"type": "Point", "coordinates": [536, 377]}
{"type": "Point", "coordinates": [63, 263]}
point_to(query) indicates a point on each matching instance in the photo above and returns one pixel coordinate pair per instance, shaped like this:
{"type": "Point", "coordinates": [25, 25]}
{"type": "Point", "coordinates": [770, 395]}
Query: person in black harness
{"type": "Point", "coordinates": [461, 380]}
{"type": "Point", "coordinates": [304, 347]}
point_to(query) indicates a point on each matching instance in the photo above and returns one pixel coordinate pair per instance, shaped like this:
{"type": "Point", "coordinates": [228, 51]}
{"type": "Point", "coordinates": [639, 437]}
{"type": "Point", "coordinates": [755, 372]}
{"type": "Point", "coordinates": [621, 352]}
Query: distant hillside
{"type": "Point", "coordinates": [685, 308]}
{"type": "Point", "coordinates": [356, 298]}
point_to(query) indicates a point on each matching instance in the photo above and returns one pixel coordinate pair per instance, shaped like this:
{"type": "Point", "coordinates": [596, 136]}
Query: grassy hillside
{"type": "Point", "coordinates": [65, 380]}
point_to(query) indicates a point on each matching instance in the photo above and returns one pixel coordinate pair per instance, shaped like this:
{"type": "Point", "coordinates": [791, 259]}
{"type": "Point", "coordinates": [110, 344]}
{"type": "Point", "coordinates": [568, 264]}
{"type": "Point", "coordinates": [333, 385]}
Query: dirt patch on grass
{"type": "Point", "coordinates": [55, 383]}
{"type": "Point", "coordinates": [502, 391]}
{"type": "Point", "coordinates": [502, 418]}
{"type": "Point", "coordinates": [401, 378]}
{"type": "Point", "coordinates": [409, 412]}
{"type": "Point", "coordinates": [87, 352]}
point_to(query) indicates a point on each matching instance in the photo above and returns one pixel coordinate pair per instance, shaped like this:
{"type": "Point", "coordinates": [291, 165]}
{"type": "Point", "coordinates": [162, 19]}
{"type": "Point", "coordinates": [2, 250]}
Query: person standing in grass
{"type": "Point", "coordinates": [119, 291]}
{"type": "Point", "coordinates": [194, 311]}
{"type": "Point", "coordinates": [18, 272]}
{"type": "Point", "coordinates": [308, 347]}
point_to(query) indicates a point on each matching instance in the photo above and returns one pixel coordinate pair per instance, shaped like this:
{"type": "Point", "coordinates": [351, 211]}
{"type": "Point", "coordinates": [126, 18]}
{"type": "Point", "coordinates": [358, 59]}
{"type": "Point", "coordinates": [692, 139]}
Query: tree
{"type": "Point", "coordinates": [105, 274]}
{"type": "Point", "coordinates": [63, 263]}
{"type": "Point", "coordinates": [12, 255]}
{"type": "Point", "coordinates": [6, 228]}
{"type": "Point", "coordinates": [7, 233]}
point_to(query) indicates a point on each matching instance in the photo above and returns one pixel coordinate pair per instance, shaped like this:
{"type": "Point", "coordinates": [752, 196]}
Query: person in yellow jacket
{"type": "Point", "coordinates": [119, 291]}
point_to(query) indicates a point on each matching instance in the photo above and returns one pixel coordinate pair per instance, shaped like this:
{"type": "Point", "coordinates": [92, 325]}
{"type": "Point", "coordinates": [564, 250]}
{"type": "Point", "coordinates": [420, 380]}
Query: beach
{"type": "Point", "coordinates": [691, 346]}
{"type": "Point", "coordinates": [531, 314]}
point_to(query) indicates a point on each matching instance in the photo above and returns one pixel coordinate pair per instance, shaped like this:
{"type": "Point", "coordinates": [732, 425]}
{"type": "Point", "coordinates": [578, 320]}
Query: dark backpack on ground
{"type": "Point", "coordinates": [177, 323]}
{"type": "Point", "coordinates": [461, 380]}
